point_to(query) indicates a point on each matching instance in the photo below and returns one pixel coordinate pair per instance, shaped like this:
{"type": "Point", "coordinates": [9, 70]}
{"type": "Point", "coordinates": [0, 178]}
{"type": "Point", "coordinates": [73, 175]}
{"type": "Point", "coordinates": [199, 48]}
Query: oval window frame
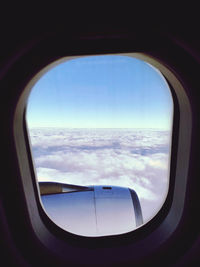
{"type": "Point", "coordinates": [147, 59]}
{"type": "Point", "coordinates": [50, 236]}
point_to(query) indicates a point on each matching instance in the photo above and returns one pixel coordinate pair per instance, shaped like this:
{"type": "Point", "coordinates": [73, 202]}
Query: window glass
{"type": "Point", "coordinates": [100, 132]}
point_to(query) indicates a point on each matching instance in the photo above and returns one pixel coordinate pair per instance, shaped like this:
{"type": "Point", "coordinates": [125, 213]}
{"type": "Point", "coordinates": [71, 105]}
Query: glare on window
{"type": "Point", "coordinates": [100, 132]}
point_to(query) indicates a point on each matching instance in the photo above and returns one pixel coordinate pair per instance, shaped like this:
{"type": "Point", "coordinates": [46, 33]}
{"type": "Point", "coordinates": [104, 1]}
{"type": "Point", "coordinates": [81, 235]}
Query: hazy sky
{"type": "Point", "coordinates": [101, 92]}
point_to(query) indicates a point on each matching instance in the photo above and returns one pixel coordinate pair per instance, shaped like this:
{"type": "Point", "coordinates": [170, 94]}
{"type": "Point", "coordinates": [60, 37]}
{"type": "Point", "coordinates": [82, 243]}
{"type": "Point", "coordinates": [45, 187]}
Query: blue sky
{"type": "Point", "coordinates": [109, 91]}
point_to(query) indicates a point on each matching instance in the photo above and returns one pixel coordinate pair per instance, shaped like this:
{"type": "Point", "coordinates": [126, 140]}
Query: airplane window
{"type": "Point", "coordinates": [100, 131]}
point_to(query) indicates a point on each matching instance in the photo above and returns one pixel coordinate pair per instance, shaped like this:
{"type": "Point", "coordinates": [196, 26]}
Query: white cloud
{"type": "Point", "coordinates": [136, 159]}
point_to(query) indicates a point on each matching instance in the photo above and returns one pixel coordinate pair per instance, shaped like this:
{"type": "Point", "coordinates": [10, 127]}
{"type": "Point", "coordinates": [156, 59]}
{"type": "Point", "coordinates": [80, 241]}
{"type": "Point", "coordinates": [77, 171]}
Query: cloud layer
{"type": "Point", "coordinates": [137, 159]}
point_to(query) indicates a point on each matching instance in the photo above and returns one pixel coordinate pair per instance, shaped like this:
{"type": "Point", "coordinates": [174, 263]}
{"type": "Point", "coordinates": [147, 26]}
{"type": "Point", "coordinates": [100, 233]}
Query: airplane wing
{"type": "Point", "coordinates": [48, 188]}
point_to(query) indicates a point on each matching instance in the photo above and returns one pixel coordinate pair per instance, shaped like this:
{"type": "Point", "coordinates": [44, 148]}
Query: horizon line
{"type": "Point", "coordinates": [64, 127]}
